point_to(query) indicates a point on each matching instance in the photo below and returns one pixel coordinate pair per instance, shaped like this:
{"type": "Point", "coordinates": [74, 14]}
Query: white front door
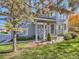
{"type": "Point", "coordinates": [42, 31]}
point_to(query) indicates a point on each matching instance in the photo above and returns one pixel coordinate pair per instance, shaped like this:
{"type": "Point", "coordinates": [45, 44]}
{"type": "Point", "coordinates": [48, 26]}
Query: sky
{"type": "Point", "coordinates": [2, 21]}
{"type": "Point", "coordinates": [64, 4]}
{"type": "Point", "coordinates": [2, 18]}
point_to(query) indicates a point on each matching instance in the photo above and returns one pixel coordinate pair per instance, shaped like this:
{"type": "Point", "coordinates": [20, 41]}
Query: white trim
{"type": "Point", "coordinates": [44, 33]}
{"type": "Point", "coordinates": [45, 19]}
{"type": "Point", "coordinates": [41, 23]}
{"type": "Point", "coordinates": [54, 29]}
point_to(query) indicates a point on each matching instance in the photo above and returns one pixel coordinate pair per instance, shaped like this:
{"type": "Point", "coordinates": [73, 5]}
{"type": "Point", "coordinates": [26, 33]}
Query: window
{"type": "Point", "coordinates": [24, 32]}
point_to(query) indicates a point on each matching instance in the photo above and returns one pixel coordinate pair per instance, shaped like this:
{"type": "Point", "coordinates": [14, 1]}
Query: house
{"type": "Point", "coordinates": [44, 25]}
{"type": "Point", "coordinates": [40, 28]}
{"type": "Point", "coordinates": [55, 25]}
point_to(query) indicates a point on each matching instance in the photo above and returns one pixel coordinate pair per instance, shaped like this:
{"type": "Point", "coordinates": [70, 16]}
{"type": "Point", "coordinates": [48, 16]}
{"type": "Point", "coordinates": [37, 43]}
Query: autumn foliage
{"type": "Point", "coordinates": [74, 22]}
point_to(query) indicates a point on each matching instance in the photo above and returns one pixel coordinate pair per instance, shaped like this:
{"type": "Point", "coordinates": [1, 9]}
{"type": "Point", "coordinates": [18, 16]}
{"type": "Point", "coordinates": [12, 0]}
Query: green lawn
{"type": "Point", "coordinates": [65, 50]}
{"type": "Point", "coordinates": [5, 48]}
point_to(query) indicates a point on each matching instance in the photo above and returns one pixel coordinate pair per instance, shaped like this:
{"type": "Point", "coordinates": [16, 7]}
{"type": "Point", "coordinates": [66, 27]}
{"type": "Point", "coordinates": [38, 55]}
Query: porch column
{"type": "Point", "coordinates": [36, 31]}
{"type": "Point", "coordinates": [49, 28]}
{"type": "Point", "coordinates": [57, 31]}
{"type": "Point", "coordinates": [54, 29]}
{"type": "Point", "coordinates": [44, 33]}
{"type": "Point", "coordinates": [67, 27]}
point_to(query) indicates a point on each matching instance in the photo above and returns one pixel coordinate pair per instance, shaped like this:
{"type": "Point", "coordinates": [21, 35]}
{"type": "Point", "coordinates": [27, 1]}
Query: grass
{"type": "Point", "coordinates": [5, 48]}
{"type": "Point", "coordinates": [64, 50]}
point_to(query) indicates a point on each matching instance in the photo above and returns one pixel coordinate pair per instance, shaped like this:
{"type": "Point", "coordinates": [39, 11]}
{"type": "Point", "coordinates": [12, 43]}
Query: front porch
{"type": "Point", "coordinates": [43, 27]}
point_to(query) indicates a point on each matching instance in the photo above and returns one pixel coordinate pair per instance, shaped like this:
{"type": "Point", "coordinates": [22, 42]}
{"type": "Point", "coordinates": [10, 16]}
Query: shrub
{"type": "Point", "coordinates": [74, 35]}
{"type": "Point", "coordinates": [67, 36]}
{"type": "Point", "coordinates": [4, 32]}
{"type": "Point", "coordinates": [70, 35]}
{"type": "Point", "coordinates": [48, 37]}
{"type": "Point", "coordinates": [31, 38]}
{"type": "Point", "coordinates": [22, 38]}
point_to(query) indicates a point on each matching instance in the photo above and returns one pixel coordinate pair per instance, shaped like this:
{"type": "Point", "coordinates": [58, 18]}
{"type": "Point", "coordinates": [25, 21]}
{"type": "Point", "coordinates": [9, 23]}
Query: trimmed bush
{"type": "Point", "coordinates": [22, 38]}
{"type": "Point", "coordinates": [48, 37]}
{"type": "Point", "coordinates": [74, 35]}
{"type": "Point", "coordinates": [70, 35]}
{"type": "Point", "coordinates": [67, 36]}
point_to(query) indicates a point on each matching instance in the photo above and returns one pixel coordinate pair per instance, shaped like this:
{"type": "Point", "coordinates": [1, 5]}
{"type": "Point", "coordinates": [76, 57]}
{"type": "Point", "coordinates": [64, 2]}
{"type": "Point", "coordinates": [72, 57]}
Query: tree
{"type": "Point", "coordinates": [19, 10]}
{"type": "Point", "coordinates": [74, 21]}
{"type": "Point", "coordinates": [17, 13]}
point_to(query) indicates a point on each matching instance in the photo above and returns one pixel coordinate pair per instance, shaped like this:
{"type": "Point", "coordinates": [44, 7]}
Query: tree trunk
{"type": "Point", "coordinates": [14, 41]}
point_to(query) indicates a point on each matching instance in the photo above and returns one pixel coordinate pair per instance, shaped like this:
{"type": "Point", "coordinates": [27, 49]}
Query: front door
{"type": "Point", "coordinates": [41, 31]}
{"type": "Point", "coordinates": [53, 29]}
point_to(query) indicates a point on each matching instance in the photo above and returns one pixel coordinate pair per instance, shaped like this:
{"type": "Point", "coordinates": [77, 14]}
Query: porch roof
{"type": "Point", "coordinates": [46, 19]}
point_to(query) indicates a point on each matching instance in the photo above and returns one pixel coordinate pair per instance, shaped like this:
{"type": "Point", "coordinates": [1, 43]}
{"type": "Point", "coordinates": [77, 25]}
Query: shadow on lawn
{"type": "Point", "coordinates": [6, 51]}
